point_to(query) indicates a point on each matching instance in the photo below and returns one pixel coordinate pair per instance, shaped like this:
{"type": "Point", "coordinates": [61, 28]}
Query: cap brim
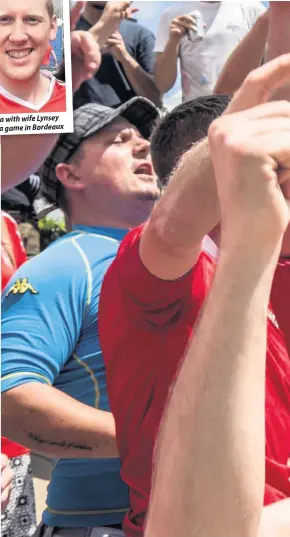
{"type": "Point", "coordinates": [138, 111]}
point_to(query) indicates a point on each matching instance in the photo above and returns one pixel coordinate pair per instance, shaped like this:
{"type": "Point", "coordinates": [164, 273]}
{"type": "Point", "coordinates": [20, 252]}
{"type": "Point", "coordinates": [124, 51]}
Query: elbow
{"type": "Point", "coordinates": [162, 85]}
{"type": "Point", "coordinates": [162, 82]}
{"type": "Point", "coordinates": [156, 96]}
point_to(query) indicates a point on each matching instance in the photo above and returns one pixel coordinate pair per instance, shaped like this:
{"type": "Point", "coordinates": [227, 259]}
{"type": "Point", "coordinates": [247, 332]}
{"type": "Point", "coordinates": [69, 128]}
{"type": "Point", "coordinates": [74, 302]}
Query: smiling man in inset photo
{"type": "Point", "coordinates": [26, 30]}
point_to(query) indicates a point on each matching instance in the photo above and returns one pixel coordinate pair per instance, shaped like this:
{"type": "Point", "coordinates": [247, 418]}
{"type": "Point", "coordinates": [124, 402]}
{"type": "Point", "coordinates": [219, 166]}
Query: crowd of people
{"type": "Point", "coordinates": [146, 352]}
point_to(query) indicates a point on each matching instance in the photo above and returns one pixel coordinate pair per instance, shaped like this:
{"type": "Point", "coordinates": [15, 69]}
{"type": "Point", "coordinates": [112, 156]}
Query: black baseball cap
{"type": "Point", "coordinates": [88, 120]}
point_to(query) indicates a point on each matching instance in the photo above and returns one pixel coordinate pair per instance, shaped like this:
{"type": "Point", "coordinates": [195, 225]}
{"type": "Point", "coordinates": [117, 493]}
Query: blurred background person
{"type": "Point", "coordinates": [19, 202]}
{"type": "Point", "coordinates": [127, 58]}
{"type": "Point", "coordinates": [6, 481]}
{"type": "Point", "coordinates": [18, 516]}
{"type": "Point", "coordinates": [201, 61]}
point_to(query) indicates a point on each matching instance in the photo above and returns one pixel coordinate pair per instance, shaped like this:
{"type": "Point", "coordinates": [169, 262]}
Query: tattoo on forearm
{"type": "Point", "coordinates": [66, 445]}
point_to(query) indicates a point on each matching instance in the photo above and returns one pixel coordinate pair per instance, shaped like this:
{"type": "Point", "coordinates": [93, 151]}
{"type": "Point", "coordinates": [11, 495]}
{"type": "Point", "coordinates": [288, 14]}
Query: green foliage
{"type": "Point", "coordinates": [50, 231]}
{"type": "Point", "coordinates": [50, 224]}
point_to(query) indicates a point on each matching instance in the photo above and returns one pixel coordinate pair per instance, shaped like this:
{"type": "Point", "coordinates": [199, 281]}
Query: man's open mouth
{"type": "Point", "coordinates": [144, 168]}
{"type": "Point", "coordinates": [19, 54]}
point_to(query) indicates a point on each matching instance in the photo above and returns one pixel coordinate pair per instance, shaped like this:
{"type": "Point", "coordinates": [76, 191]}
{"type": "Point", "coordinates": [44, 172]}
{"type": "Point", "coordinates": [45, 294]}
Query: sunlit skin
{"type": "Point", "coordinates": [25, 31]}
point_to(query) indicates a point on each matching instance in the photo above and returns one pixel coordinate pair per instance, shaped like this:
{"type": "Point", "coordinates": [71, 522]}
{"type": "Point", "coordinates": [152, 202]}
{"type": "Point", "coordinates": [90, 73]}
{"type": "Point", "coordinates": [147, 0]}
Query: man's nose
{"type": "Point", "coordinates": [18, 33]}
{"type": "Point", "coordinates": [141, 148]}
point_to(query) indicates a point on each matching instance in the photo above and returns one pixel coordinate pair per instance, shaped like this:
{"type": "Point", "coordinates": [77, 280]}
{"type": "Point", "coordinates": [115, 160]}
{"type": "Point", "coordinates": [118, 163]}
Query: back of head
{"type": "Point", "coordinates": [187, 124]}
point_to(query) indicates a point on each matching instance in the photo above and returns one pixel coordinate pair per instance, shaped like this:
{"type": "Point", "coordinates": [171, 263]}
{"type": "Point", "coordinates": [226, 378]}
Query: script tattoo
{"type": "Point", "coordinates": [67, 445]}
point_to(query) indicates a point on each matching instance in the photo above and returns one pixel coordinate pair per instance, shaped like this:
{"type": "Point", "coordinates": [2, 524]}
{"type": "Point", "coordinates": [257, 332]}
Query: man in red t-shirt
{"type": "Point", "coordinates": [209, 477]}
{"type": "Point", "coordinates": [151, 299]}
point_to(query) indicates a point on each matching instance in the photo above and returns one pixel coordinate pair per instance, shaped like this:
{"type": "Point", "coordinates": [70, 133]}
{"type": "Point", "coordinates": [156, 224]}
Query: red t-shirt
{"type": "Point", "coordinates": [8, 267]}
{"type": "Point", "coordinates": [145, 324]}
{"type": "Point", "coordinates": [55, 100]}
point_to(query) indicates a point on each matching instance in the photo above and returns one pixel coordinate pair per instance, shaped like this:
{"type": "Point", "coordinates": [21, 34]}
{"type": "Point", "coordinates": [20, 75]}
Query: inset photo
{"type": "Point", "coordinates": [35, 67]}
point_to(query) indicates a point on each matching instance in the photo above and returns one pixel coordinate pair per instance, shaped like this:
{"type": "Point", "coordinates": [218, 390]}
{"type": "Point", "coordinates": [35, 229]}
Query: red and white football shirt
{"type": "Point", "coordinates": [54, 101]}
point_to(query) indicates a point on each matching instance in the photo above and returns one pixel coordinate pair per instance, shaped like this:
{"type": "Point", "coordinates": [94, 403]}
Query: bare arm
{"type": "Point", "coordinates": [216, 415]}
{"type": "Point", "coordinates": [143, 83]}
{"type": "Point", "coordinates": [23, 155]}
{"type": "Point", "coordinates": [279, 38]}
{"type": "Point", "coordinates": [189, 208]}
{"type": "Point", "coordinates": [165, 72]}
{"type": "Point", "coordinates": [166, 61]}
{"type": "Point", "coordinates": [212, 440]}
{"type": "Point", "coordinates": [31, 416]}
{"type": "Point", "coordinates": [247, 56]}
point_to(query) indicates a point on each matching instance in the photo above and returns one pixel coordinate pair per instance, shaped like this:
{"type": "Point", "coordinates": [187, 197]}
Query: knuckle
{"type": "Point", "coordinates": [217, 131]}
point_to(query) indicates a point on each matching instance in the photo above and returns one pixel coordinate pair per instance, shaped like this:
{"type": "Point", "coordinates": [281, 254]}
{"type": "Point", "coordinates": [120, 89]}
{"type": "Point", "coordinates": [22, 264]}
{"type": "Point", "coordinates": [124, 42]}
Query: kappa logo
{"type": "Point", "coordinates": [21, 287]}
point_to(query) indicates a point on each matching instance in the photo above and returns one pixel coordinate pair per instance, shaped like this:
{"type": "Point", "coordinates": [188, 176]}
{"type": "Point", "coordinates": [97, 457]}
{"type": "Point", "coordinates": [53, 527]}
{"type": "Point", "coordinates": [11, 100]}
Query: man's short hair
{"type": "Point", "coordinates": [187, 124]}
{"type": "Point", "coordinates": [50, 8]}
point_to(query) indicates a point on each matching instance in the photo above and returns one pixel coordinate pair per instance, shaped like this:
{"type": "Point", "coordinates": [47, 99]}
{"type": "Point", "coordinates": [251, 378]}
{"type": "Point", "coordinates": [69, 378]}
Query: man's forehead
{"type": "Point", "coordinates": [19, 5]}
{"type": "Point", "coordinates": [117, 125]}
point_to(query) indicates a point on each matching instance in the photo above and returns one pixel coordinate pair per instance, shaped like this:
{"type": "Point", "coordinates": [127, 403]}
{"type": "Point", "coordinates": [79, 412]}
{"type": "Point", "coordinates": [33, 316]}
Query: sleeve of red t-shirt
{"type": "Point", "coordinates": [272, 495]}
{"type": "Point", "coordinates": [9, 448]}
{"type": "Point", "coordinates": [159, 301]}
{"type": "Point", "coordinates": [16, 241]}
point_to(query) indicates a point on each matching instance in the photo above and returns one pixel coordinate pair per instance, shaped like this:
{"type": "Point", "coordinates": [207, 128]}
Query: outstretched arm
{"type": "Point", "coordinates": [210, 457]}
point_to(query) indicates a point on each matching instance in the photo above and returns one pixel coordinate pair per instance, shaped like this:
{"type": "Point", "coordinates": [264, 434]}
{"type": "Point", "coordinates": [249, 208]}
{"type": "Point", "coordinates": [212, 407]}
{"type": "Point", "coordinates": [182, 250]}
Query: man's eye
{"type": "Point", "coordinates": [5, 20]}
{"type": "Point", "coordinates": [32, 20]}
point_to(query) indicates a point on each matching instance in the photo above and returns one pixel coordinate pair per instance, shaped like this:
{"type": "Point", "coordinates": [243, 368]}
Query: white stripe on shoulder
{"type": "Point", "coordinates": [64, 241]}
{"type": "Point", "coordinates": [88, 270]}
{"type": "Point", "coordinates": [97, 236]}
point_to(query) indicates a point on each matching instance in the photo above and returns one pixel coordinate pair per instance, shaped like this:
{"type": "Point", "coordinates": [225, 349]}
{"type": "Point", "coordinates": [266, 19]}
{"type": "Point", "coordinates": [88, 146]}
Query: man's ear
{"type": "Point", "coordinates": [53, 29]}
{"type": "Point", "coordinates": [68, 176]}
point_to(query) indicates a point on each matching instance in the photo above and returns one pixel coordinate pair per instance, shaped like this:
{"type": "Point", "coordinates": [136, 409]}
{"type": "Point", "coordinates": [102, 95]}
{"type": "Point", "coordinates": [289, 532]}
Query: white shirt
{"type": "Point", "coordinates": [201, 62]}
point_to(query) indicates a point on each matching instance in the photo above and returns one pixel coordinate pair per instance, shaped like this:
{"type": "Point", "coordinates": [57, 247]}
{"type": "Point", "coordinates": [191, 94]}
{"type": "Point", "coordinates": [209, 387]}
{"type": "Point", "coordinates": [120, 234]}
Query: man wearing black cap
{"type": "Point", "coordinates": [55, 398]}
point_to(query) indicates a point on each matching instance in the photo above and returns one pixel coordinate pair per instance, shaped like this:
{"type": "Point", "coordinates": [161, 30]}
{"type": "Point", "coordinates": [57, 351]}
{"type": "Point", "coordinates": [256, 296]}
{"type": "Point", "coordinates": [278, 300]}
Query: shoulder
{"type": "Point", "coordinates": [60, 264]}
{"type": "Point", "coordinates": [12, 227]}
{"type": "Point", "coordinates": [135, 30]}
{"type": "Point", "coordinates": [143, 32]}
{"type": "Point", "coordinates": [252, 10]}
{"type": "Point", "coordinates": [131, 242]}
{"type": "Point", "coordinates": [97, 252]}
{"type": "Point", "coordinates": [9, 221]}
{"type": "Point", "coordinates": [127, 265]}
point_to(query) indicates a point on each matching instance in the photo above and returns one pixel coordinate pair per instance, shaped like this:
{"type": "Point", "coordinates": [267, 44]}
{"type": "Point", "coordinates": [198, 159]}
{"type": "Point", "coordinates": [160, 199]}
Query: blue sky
{"type": "Point", "coordinates": [149, 15]}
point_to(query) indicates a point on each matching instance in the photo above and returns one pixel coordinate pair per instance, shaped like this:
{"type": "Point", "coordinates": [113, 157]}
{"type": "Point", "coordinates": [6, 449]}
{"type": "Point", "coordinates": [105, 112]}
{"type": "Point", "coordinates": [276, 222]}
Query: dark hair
{"type": "Point", "coordinates": [50, 8]}
{"type": "Point", "coordinates": [187, 124]}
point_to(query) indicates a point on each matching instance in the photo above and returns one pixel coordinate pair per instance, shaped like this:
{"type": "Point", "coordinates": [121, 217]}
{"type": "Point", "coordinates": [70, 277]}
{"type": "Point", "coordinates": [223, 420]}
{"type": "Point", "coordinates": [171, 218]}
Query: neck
{"type": "Point", "coordinates": [91, 14]}
{"type": "Point", "coordinates": [31, 90]}
{"type": "Point", "coordinates": [93, 221]}
{"type": "Point", "coordinates": [128, 216]}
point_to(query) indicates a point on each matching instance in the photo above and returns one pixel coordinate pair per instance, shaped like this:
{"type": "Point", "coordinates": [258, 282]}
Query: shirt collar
{"type": "Point", "coordinates": [113, 233]}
